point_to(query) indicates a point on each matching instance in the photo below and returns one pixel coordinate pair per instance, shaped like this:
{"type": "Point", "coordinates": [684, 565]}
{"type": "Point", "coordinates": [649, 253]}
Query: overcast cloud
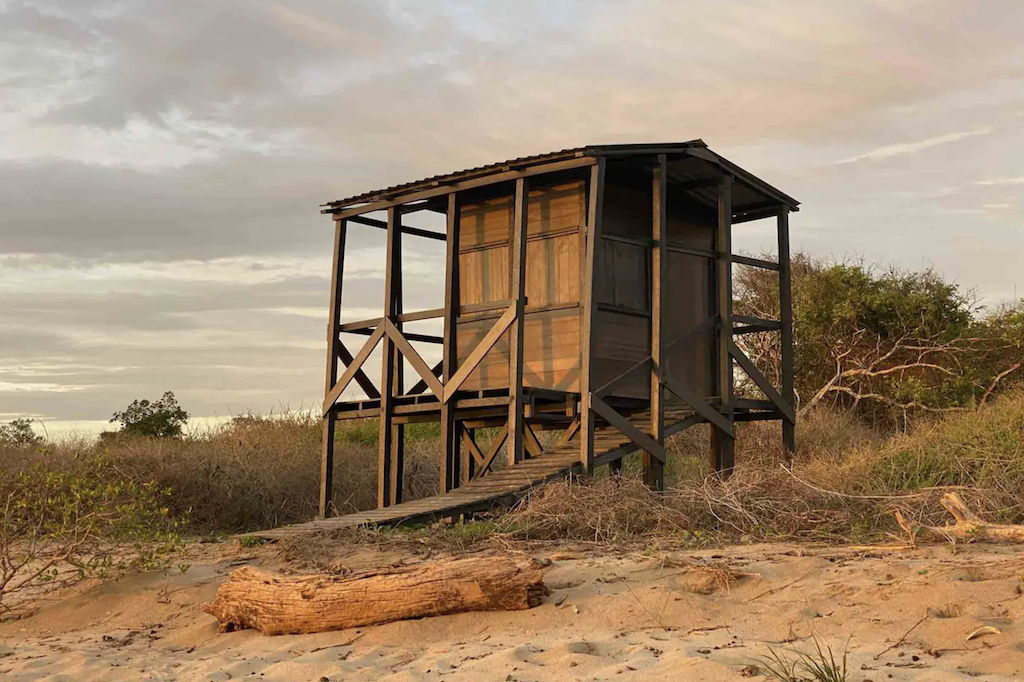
{"type": "Point", "coordinates": [162, 162]}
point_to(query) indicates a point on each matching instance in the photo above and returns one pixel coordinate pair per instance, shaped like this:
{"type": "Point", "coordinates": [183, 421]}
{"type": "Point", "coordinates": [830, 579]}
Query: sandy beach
{"type": "Point", "coordinates": [703, 615]}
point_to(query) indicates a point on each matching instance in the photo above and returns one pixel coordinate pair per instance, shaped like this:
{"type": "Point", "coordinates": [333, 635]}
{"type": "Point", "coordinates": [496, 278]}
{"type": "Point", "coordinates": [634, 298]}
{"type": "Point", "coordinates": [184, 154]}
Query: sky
{"type": "Point", "coordinates": [162, 162]}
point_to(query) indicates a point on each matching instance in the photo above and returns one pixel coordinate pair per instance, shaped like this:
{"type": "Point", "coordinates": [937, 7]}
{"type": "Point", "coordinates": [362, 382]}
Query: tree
{"type": "Point", "coordinates": [886, 343]}
{"type": "Point", "coordinates": [19, 434]}
{"type": "Point", "coordinates": [161, 419]}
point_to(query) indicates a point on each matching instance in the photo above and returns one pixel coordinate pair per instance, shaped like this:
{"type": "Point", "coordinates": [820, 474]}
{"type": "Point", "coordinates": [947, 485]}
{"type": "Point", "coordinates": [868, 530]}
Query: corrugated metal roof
{"type": "Point", "coordinates": [380, 194]}
{"type": "Point", "coordinates": [621, 150]}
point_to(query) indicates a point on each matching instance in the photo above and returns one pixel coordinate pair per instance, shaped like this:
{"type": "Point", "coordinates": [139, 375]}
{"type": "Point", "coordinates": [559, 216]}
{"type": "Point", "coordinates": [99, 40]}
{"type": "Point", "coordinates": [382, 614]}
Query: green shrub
{"type": "Point", "coordinates": [57, 526]}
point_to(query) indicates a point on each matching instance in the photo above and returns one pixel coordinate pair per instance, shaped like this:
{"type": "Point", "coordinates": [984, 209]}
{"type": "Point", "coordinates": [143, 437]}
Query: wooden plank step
{"type": "Point", "coordinates": [510, 482]}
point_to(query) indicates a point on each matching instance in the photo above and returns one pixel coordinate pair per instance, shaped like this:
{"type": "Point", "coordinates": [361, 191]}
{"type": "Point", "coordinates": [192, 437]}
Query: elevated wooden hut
{"type": "Point", "coordinates": [587, 290]}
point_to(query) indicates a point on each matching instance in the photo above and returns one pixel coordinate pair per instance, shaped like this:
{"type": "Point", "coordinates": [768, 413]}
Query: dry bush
{"type": "Point", "coordinates": [265, 472]}
{"type": "Point", "coordinates": [844, 485]}
{"type": "Point", "coordinates": [256, 472]}
{"type": "Point", "coordinates": [614, 509]}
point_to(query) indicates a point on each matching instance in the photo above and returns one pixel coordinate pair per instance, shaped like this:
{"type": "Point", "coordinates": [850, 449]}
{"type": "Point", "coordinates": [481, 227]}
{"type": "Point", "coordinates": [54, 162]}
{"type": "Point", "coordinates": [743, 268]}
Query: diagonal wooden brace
{"type": "Point", "coordinates": [410, 353]}
{"type": "Point", "coordinates": [762, 383]}
{"type": "Point", "coordinates": [473, 448]}
{"type": "Point", "coordinates": [479, 352]}
{"type": "Point", "coordinates": [350, 371]}
{"type": "Point", "coordinates": [638, 437]}
{"type": "Point", "coordinates": [696, 402]}
{"type": "Point", "coordinates": [421, 385]}
{"type": "Point", "coordinates": [364, 381]}
{"type": "Point", "coordinates": [492, 453]}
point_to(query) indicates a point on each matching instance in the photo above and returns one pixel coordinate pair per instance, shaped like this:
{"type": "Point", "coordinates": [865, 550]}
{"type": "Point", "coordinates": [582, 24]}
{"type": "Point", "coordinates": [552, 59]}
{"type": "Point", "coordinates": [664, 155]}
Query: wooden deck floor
{"type": "Point", "coordinates": [502, 486]}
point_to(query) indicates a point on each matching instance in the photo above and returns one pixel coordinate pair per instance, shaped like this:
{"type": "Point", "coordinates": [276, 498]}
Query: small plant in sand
{"type": "Point", "coordinates": [819, 665]}
{"type": "Point", "coordinates": [59, 526]}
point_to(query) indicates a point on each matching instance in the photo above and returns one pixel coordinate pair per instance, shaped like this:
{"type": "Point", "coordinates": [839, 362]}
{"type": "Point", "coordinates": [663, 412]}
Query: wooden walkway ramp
{"type": "Point", "coordinates": [503, 486]}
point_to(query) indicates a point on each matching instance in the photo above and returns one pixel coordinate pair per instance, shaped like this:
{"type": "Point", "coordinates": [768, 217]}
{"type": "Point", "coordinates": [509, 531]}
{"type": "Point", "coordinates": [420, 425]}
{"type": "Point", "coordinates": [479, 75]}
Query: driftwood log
{"type": "Point", "coordinates": [967, 526]}
{"type": "Point", "coordinates": [277, 605]}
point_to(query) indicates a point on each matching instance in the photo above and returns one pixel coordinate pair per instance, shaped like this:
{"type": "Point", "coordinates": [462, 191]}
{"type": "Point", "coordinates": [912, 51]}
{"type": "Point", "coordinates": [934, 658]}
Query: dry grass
{"type": "Point", "coordinates": [254, 473]}
{"type": "Point", "coordinates": [844, 486]}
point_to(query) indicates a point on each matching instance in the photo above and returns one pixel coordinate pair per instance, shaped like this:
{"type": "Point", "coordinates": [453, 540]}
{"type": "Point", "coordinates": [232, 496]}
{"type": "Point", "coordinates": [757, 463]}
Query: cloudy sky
{"type": "Point", "coordinates": [162, 162]}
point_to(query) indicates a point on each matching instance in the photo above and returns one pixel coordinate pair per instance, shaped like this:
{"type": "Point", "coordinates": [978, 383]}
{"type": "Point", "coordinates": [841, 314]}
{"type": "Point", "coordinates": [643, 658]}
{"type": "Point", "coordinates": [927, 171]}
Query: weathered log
{"type": "Point", "coordinates": [276, 605]}
{"type": "Point", "coordinates": [968, 526]}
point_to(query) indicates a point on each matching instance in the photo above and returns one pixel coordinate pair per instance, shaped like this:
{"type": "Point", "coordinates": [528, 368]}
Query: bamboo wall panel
{"type": "Point", "coordinates": [484, 275]}
{"type": "Point", "coordinates": [553, 257]}
{"type": "Point", "coordinates": [551, 351]}
{"type": "Point", "coordinates": [556, 208]}
{"type": "Point", "coordinates": [553, 270]}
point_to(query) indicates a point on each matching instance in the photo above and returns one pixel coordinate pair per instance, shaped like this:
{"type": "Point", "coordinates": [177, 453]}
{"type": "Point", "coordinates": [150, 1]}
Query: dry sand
{"type": "Point", "coordinates": [608, 618]}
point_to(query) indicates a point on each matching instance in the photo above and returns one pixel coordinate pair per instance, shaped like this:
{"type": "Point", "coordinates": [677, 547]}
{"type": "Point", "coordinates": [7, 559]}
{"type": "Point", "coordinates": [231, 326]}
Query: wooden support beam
{"type": "Point", "coordinates": [592, 237]}
{"type": "Point", "coordinates": [531, 443]}
{"type": "Point", "coordinates": [690, 251]}
{"type": "Point", "coordinates": [517, 403]}
{"type": "Point", "coordinates": [353, 368]}
{"type": "Point", "coordinates": [451, 462]}
{"type": "Point", "coordinates": [654, 467]}
{"type": "Point", "coordinates": [786, 321]}
{"type": "Point", "coordinates": [760, 322]}
{"type": "Point", "coordinates": [411, 336]}
{"type": "Point", "coordinates": [762, 382]}
{"type": "Point", "coordinates": [415, 231]}
{"type": "Point", "coordinates": [364, 381]}
{"type": "Point", "coordinates": [627, 428]}
{"type": "Point", "coordinates": [472, 447]}
{"type": "Point", "coordinates": [385, 440]}
{"type": "Point", "coordinates": [421, 386]}
{"type": "Point", "coordinates": [722, 437]}
{"type": "Point", "coordinates": [467, 465]}
{"type": "Point", "coordinates": [486, 343]}
{"type": "Point", "coordinates": [754, 262]}
{"type": "Point", "coordinates": [570, 432]}
{"type": "Point", "coordinates": [364, 325]}
{"type": "Point", "coordinates": [331, 378]}
{"type": "Point", "coordinates": [414, 358]}
{"type": "Point", "coordinates": [492, 452]}
{"type": "Point", "coordinates": [395, 322]}
{"type": "Point", "coordinates": [698, 404]}
{"type": "Point", "coordinates": [506, 176]}
{"type": "Point", "coordinates": [684, 424]}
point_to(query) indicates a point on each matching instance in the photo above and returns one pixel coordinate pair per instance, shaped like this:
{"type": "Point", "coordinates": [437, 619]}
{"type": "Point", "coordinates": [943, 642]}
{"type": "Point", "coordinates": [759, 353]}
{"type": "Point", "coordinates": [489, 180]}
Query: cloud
{"type": "Point", "coordinates": [1002, 182]}
{"type": "Point", "coordinates": [162, 163]}
{"type": "Point", "coordinates": [905, 148]}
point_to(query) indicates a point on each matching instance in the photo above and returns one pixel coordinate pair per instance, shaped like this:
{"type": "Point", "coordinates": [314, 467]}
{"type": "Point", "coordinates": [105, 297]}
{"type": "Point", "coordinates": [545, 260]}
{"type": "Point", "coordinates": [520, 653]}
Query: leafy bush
{"type": "Point", "coordinates": [19, 434]}
{"type": "Point", "coordinates": [163, 418]}
{"type": "Point", "coordinates": [887, 343]}
{"type": "Point", "coordinates": [57, 526]}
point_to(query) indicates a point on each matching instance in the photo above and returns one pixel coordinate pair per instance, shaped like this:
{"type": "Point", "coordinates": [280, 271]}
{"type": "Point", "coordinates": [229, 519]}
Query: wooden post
{"type": "Point", "coordinates": [333, 322]}
{"type": "Point", "coordinates": [385, 441]}
{"type": "Point", "coordinates": [450, 441]}
{"type": "Point", "coordinates": [592, 235]}
{"type": "Point", "coordinates": [786, 319]}
{"type": "Point", "coordinates": [468, 464]}
{"type": "Point", "coordinates": [398, 376]}
{"type": "Point", "coordinates": [723, 442]}
{"type": "Point", "coordinates": [654, 469]}
{"type": "Point", "coordinates": [516, 402]}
